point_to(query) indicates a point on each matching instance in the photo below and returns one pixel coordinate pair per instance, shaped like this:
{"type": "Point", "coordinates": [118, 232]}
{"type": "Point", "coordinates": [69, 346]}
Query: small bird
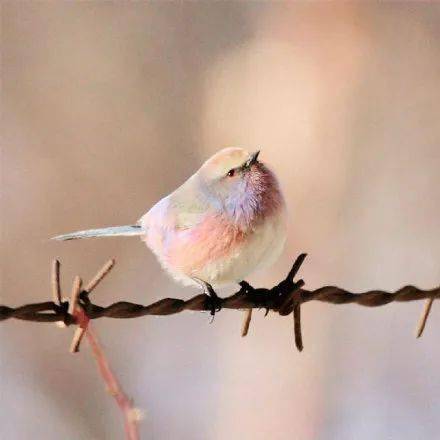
{"type": "Point", "coordinates": [226, 221]}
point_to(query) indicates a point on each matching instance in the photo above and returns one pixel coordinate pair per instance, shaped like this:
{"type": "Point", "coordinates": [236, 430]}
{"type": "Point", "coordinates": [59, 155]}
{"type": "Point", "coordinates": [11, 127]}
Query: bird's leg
{"type": "Point", "coordinates": [214, 300]}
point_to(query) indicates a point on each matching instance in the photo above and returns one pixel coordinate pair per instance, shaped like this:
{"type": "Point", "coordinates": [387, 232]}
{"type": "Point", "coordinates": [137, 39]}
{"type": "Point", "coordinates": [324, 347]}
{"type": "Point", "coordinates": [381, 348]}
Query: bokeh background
{"type": "Point", "coordinates": [107, 107]}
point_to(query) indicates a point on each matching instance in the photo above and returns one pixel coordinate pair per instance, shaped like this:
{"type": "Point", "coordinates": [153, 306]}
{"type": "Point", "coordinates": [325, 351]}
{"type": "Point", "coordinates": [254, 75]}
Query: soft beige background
{"type": "Point", "coordinates": [107, 107]}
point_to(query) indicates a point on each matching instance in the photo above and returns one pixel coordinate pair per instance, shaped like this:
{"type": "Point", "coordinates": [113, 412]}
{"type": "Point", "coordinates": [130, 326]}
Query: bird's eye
{"type": "Point", "coordinates": [231, 173]}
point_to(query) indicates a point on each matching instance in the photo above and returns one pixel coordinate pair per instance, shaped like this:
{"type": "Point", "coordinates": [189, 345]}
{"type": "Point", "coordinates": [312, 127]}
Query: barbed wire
{"type": "Point", "coordinates": [285, 298]}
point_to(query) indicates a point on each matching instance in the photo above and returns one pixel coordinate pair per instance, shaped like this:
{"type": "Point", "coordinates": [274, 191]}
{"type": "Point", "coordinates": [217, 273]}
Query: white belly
{"type": "Point", "coordinates": [260, 249]}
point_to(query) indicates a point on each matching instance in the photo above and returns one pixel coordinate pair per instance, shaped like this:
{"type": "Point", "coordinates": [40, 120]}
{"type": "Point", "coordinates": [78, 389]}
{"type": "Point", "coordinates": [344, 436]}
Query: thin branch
{"type": "Point", "coordinates": [74, 313]}
{"type": "Point", "coordinates": [130, 413]}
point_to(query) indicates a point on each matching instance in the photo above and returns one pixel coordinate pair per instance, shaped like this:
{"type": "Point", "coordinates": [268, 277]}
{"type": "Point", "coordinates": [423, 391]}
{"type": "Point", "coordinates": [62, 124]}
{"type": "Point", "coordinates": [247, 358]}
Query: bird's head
{"type": "Point", "coordinates": [241, 183]}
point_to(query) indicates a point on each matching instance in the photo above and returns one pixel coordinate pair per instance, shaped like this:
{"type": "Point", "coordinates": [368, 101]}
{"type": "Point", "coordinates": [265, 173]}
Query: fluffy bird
{"type": "Point", "coordinates": [226, 221]}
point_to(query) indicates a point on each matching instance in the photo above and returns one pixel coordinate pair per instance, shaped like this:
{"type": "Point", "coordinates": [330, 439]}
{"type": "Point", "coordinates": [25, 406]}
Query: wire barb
{"type": "Point", "coordinates": [424, 317]}
{"type": "Point", "coordinates": [76, 289]}
{"type": "Point", "coordinates": [297, 326]}
{"type": "Point", "coordinates": [246, 322]}
{"type": "Point", "coordinates": [55, 281]}
{"type": "Point", "coordinates": [100, 275]}
{"type": "Point", "coordinates": [78, 312]}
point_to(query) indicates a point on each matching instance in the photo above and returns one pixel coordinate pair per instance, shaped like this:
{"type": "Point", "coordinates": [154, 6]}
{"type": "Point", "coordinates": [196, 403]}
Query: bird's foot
{"type": "Point", "coordinates": [214, 301]}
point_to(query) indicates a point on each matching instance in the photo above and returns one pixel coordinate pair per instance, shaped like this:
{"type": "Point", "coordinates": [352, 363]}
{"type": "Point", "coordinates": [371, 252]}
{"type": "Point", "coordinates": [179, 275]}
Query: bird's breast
{"type": "Point", "coordinates": [219, 252]}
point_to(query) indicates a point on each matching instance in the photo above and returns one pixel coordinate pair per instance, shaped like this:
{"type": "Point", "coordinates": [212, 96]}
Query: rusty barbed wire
{"type": "Point", "coordinates": [285, 298]}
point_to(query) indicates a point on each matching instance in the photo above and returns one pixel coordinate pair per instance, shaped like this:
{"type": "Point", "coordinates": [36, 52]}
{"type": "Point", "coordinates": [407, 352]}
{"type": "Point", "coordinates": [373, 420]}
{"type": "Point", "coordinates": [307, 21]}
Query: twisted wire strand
{"type": "Point", "coordinates": [271, 299]}
{"type": "Point", "coordinates": [284, 298]}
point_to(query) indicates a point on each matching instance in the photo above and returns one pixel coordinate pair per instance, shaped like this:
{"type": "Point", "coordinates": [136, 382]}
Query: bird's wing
{"type": "Point", "coordinates": [182, 209]}
{"type": "Point", "coordinates": [187, 205]}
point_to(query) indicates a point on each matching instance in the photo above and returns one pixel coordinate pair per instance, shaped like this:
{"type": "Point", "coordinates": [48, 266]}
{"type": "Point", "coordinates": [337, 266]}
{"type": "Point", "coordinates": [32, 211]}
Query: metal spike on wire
{"type": "Point", "coordinates": [424, 317]}
{"type": "Point", "coordinates": [81, 329]}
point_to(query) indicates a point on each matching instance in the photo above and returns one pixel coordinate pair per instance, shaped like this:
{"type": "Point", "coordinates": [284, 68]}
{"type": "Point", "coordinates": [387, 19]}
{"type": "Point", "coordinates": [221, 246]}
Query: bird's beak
{"type": "Point", "coordinates": [252, 159]}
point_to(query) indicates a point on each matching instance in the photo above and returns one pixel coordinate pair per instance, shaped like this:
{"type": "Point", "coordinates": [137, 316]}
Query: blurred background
{"type": "Point", "coordinates": [107, 107]}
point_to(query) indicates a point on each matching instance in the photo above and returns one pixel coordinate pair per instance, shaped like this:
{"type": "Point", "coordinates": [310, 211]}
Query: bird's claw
{"type": "Point", "coordinates": [214, 304]}
{"type": "Point", "coordinates": [214, 301]}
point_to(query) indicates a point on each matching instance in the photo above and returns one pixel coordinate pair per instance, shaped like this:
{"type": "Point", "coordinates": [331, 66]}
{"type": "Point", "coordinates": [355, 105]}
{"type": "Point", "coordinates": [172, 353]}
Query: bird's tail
{"type": "Point", "coordinates": [113, 231]}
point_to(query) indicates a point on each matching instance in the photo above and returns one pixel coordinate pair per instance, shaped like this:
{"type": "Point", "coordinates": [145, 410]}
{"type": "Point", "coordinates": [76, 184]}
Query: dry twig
{"type": "Point", "coordinates": [130, 413]}
{"type": "Point", "coordinates": [75, 311]}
